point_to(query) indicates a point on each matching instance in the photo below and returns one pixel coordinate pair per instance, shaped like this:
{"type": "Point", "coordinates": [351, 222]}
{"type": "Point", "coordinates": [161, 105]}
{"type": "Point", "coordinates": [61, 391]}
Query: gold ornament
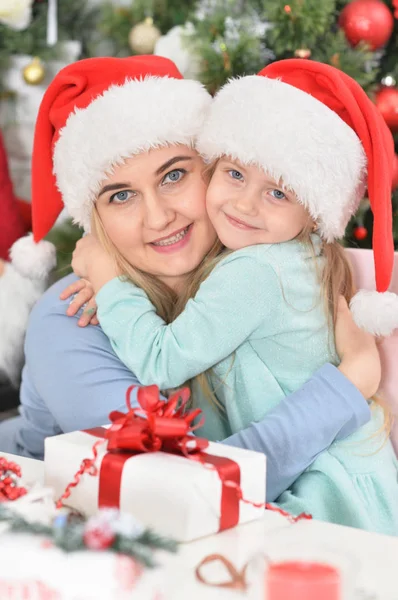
{"type": "Point", "coordinates": [143, 37]}
{"type": "Point", "coordinates": [34, 72]}
{"type": "Point", "coordinates": [302, 53]}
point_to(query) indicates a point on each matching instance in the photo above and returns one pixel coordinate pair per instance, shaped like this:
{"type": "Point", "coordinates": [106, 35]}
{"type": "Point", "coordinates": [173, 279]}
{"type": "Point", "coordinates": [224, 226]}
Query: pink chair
{"type": "Point", "coordinates": [363, 265]}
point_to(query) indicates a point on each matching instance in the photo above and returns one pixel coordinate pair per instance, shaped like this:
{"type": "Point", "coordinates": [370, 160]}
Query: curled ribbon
{"type": "Point", "coordinates": [237, 579]}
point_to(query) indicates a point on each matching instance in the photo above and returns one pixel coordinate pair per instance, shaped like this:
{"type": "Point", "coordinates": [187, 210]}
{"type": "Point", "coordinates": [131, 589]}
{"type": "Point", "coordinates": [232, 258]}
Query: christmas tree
{"type": "Point", "coordinates": [213, 40]}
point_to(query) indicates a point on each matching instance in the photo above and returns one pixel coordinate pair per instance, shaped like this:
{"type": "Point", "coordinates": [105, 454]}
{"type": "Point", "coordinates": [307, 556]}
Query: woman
{"type": "Point", "coordinates": [139, 112]}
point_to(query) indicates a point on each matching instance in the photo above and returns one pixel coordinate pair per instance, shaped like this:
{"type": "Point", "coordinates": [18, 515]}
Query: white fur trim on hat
{"type": "Point", "coordinates": [375, 312]}
{"type": "Point", "coordinates": [123, 121]}
{"type": "Point", "coordinates": [33, 260]}
{"type": "Point", "coordinates": [293, 137]}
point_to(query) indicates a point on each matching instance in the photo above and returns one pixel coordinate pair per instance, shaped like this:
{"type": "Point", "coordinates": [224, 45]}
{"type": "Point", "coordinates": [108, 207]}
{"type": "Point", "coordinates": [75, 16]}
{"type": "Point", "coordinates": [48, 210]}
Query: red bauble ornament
{"type": "Point", "coordinates": [98, 537]}
{"type": "Point", "coordinates": [395, 173]}
{"type": "Point", "coordinates": [360, 233]}
{"type": "Point", "coordinates": [9, 488]}
{"type": "Point", "coordinates": [369, 21]}
{"type": "Point", "coordinates": [387, 103]}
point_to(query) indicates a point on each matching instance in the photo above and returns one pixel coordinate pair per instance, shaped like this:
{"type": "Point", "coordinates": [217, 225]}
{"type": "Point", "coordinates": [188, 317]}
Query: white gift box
{"type": "Point", "coordinates": [172, 494]}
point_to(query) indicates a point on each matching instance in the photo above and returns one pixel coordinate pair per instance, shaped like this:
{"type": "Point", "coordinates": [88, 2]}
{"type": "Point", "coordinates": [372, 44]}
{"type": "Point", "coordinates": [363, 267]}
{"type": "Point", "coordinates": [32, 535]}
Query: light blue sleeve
{"type": "Point", "coordinates": [239, 295]}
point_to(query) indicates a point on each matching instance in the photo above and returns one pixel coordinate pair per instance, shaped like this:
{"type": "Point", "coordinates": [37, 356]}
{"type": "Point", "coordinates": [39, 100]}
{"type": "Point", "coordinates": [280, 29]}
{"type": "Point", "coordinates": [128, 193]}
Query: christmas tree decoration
{"type": "Point", "coordinates": [360, 232]}
{"type": "Point", "coordinates": [16, 14]}
{"type": "Point", "coordinates": [368, 21]}
{"type": "Point", "coordinates": [10, 472]}
{"type": "Point", "coordinates": [34, 72]}
{"type": "Point", "coordinates": [387, 102]}
{"type": "Point", "coordinates": [102, 531]}
{"type": "Point", "coordinates": [176, 46]}
{"type": "Point", "coordinates": [388, 81]}
{"type": "Point", "coordinates": [143, 37]}
{"type": "Point", "coordinates": [52, 23]}
{"type": "Point", "coordinates": [302, 53]}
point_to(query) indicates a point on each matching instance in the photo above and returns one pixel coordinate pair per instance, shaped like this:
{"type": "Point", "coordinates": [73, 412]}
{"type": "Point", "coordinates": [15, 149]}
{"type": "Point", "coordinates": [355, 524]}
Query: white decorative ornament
{"type": "Point", "coordinates": [16, 13]}
{"type": "Point", "coordinates": [205, 8]}
{"type": "Point", "coordinates": [52, 23]}
{"type": "Point", "coordinates": [175, 46]}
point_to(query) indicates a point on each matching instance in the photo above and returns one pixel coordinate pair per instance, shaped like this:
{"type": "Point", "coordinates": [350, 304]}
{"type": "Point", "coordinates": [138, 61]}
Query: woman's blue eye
{"type": "Point", "coordinates": [236, 174]}
{"type": "Point", "coordinates": [174, 176]}
{"type": "Point", "coordinates": [278, 195]}
{"type": "Point", "coordinates": [121, 196]}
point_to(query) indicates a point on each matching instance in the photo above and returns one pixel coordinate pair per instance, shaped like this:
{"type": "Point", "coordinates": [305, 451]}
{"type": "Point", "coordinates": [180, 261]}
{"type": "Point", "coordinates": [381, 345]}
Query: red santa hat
{"type": "Point", "coordinates": [98, 112]}
{"type": "Point", "coordinates": [315, 128]}
{"type": "Point", "coordinates": [11, 223]}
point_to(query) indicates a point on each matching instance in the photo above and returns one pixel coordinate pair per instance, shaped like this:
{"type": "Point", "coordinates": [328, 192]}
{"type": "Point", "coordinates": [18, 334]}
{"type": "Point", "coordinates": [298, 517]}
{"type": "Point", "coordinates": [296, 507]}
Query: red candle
{"type": "Point", "coordinates": [303, 581]}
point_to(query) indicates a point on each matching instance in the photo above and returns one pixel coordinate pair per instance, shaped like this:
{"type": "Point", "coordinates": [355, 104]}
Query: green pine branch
{"type": "Point", "coordinates": [298, 23]}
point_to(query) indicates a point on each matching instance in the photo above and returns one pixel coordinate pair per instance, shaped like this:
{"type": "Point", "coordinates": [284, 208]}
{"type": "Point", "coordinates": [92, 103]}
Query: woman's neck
{"type": "Point", "coordinates": [177, 284]}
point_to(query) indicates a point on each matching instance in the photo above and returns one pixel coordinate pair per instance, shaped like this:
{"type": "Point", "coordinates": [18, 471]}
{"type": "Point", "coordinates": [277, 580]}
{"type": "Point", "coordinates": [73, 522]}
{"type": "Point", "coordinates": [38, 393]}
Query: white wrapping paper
{"type": "Point", "coordinates": [175, 496]}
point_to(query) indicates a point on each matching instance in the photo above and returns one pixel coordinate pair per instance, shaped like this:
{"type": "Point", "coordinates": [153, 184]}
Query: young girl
{"type": "Point", "coordinates": [289, 150]}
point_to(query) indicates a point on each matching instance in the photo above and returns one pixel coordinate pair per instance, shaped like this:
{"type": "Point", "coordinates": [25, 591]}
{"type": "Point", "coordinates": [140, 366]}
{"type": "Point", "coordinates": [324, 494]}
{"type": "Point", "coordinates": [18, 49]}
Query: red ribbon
{"type": "Point", "coordinates": [159, 425]}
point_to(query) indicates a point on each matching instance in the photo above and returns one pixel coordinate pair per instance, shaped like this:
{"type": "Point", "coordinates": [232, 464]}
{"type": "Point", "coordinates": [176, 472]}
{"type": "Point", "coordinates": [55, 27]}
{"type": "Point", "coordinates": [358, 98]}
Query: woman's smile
{"type": "Point", "coordinates": [174, 242]}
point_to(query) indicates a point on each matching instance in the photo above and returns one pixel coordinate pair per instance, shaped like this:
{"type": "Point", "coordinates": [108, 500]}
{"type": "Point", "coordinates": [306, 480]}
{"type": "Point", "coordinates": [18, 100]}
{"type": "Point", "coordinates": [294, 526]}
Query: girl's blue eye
{"type": "Point", "coordinates": [278, 195]}
{"type": "Point", "coordinates": [174, 176]}
{"type": "Point", "coordinates": [121, 197]}
{"type": "Point", "coordinates": [236, 175]}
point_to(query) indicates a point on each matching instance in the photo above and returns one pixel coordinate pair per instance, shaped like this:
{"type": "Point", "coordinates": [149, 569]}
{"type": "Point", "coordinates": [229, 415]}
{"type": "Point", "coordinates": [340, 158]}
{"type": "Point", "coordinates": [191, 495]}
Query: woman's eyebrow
{"type": "Point", "coordinates": [112, 187]}
{"type": "Point", "coordinates": [171, 162]}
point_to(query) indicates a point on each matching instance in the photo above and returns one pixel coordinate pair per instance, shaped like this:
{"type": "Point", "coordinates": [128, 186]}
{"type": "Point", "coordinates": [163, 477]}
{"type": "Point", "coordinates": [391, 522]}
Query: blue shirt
{"type": "Point", "coordinates": [72, 380]}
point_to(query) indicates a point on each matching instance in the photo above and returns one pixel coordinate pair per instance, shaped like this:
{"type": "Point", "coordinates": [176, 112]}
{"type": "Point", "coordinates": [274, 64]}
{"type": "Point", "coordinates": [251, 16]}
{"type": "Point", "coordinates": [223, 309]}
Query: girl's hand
{"type": "Point", "coordinates": [91, 261]}
{"type": "Point", "coordinates": [84, 297]}
{"type": "Point", "coordinates": [88, 250]}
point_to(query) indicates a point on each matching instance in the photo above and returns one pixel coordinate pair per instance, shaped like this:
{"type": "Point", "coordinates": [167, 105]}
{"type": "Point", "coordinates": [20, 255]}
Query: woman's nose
{"type": "Point", "coordinates": [158, 214]}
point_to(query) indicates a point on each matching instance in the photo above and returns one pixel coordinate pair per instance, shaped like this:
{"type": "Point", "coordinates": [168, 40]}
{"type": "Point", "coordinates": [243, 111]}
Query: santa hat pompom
{"type": "Point", "coordinates": [375, 312]}
{"type": "Point", "coordinates": [31, 259]}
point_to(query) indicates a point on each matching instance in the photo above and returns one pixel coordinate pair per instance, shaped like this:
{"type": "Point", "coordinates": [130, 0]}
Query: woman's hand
{"type": "Point", "coordinates": [2, 266]}
{"type": "Point", "coordinates": [85, 297]}
{"type": "Point", "coordinates": [357, 349]}
{"type": "Point", "coordinates": [91, 261]}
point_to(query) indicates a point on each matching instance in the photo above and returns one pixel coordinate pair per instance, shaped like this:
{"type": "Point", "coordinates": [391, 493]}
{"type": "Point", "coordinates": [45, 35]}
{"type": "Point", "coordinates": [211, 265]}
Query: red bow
{"type": "Point", "coordinates": [156, 424]}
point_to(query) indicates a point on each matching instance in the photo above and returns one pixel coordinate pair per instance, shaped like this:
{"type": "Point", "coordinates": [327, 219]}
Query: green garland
{"type": "Point", "coordinates": [69, 533]}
